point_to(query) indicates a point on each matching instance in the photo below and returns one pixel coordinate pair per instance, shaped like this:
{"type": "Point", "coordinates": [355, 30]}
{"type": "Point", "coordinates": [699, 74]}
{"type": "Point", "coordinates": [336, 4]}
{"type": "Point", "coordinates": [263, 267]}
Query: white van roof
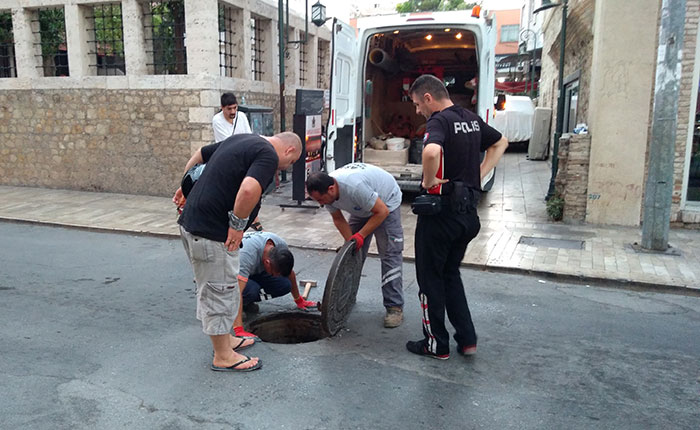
{"type": "Point", "coordinates": [453, 18]}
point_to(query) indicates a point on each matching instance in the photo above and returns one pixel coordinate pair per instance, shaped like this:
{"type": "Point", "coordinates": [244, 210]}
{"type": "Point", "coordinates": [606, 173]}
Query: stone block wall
{"type": "Point", "coordinates": [572, 175]}
{"type": "Point", "coordinates": [577, 58]}
{"type": "Point", "coordinates": [123, 141]}
{"type": "Point", "coordinates": [126, 141]}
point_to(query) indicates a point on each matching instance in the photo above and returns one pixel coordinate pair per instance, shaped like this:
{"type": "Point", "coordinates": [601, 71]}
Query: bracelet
{"type": "Point", "coordinates": [256, 226]}
{"type": "Point", "coordinates": [236, 223]}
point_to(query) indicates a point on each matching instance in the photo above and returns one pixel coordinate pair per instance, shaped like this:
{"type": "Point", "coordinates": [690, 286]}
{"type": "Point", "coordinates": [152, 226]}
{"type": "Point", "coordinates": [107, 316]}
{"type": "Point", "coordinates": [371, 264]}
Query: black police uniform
{"type": "Point", "coordinates": [441, 239]}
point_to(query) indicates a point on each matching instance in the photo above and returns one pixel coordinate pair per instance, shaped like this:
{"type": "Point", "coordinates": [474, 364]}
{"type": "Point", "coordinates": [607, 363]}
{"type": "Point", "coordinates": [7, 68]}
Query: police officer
{"type": "Point", "coordinates": [452, 177]}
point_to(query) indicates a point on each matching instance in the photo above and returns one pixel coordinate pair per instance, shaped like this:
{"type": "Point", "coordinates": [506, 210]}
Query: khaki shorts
{"type": "Point", "coordinates": [216, 275]}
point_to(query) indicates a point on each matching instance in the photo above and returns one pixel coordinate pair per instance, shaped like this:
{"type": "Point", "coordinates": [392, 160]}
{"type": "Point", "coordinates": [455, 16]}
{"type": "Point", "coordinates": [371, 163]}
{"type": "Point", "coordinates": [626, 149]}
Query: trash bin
{"type": "Point", "coordinates": [261, 119]}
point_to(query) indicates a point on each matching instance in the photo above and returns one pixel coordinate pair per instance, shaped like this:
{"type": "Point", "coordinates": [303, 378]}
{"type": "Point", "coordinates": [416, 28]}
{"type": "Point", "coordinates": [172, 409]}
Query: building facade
{"type": "Point", "coordinates": [116, 95]}
{"type": "Point", "coordinates": [610, 70]}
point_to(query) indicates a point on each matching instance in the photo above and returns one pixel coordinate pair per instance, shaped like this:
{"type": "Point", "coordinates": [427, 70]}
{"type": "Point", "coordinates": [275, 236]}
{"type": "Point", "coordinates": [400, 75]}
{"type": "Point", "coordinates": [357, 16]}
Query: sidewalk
{"type": "Point", "coordinates": [606, 253]}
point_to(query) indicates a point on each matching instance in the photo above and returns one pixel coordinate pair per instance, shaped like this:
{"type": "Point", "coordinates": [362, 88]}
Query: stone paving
{"type": "Point", "coordinates": [510, 213]}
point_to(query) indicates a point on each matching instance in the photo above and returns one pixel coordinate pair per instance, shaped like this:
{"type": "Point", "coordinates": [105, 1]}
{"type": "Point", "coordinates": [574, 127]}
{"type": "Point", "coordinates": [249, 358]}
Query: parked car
{"type": "Point", "coordinates": [514, 117]}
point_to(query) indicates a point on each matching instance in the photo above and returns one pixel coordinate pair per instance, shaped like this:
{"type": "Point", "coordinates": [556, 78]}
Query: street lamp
{"type": "Point", "coordinates": [547, 4]}
{"type": "Point", "coordinates": [525, 37]}
{"type": "Point", "coordinates": [318, 14]}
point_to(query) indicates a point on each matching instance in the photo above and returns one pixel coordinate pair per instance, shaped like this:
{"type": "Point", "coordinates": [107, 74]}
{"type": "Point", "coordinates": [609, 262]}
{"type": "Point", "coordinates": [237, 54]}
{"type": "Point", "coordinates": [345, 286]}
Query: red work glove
{"type": "Point", "coordinates": [359, 240]}
{"type": "Point", "coordinates": [304, 304]}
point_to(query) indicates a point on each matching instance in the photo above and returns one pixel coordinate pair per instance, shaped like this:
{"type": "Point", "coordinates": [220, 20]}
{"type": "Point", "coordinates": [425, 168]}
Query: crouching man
{"type": "Point", "coordinates": [373, 199]}
{"type": "Point", "coordinates": [266, 271]}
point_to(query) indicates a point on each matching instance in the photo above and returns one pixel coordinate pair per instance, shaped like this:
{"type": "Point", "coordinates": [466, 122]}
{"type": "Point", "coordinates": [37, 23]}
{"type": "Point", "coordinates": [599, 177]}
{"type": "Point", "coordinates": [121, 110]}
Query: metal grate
{"type": "Point", "coordinates": [256, 42]}
{"type": "Point", "coordinates": [228, 48]}
{"type": "Point", "coordinates": [543, 242]}
{"type": "Point", "coordinates": [8, 66]}
{"type": "Point", "coordinates": [303, 62]}
{"type": "Point", "coordinates": [164, 26]}
{"type": "Point", "coordinates": [107, 44]}
{"type": "Point", "coordinates": [321, 73]}
{"type": "Point", "coordinates": [50, 31]}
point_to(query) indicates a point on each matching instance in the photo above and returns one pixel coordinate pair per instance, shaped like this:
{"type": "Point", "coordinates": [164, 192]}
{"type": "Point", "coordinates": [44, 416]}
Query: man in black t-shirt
{"type": "Point", "coordinates": [452, 172]}
{"type": "Point", "coordinates": [218, 209]}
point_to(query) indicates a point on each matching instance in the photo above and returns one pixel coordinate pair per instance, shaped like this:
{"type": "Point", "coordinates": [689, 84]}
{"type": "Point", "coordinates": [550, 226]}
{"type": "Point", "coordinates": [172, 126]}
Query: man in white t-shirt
{"type": "Point", "coordinates": [373, 199]}
{"type": "Point", "coordinates": [229, 121]}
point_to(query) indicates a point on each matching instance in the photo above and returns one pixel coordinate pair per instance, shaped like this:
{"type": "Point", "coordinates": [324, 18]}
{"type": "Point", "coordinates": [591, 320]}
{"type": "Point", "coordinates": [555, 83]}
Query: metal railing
{"type": "Point", "coordinates": [106, 30]}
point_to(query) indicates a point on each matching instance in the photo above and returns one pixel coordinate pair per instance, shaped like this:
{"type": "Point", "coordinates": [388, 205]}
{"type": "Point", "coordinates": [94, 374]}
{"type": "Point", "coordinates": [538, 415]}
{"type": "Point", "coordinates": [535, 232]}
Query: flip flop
{"type": "Point", "coordinates": [235, 368]}
{"type": "Point", "coordinates": [240, 345]}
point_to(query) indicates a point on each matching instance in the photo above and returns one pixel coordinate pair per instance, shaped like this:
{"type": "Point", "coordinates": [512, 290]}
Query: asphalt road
{"type": "Point", "coordinates": [97, 331]}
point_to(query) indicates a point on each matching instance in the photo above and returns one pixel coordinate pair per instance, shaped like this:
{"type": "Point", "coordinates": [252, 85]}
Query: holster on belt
{"type": "Point", "coordinates": [463, 199]}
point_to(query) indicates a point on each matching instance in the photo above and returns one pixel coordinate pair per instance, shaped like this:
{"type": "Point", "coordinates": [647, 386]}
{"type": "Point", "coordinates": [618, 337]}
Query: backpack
{"type": "Point", "coordinates": [190, 178]}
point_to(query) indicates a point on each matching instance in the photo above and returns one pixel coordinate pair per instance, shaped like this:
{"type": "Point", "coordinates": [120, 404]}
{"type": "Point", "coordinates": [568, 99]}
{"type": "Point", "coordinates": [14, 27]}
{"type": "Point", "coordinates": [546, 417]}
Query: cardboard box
{"type": "Point", "coordinates": [385, 157]}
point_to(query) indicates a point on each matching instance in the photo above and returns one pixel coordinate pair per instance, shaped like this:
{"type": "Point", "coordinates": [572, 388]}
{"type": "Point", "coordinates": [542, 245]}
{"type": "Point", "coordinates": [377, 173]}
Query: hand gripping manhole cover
{"type": "Point", "coordinates": [341, 288]}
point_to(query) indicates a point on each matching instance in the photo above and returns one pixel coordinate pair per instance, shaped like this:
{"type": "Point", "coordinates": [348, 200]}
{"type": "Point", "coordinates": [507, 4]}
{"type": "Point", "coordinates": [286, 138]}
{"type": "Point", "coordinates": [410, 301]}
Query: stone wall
{"type": "Point", "coordinates": [126, 141]}
{"type": "Point", "coordinates": [577, 58]}
{"type": "Point", "coordinates": [123, 141]}
{"type": "Point", "coordinates": [572, 176]}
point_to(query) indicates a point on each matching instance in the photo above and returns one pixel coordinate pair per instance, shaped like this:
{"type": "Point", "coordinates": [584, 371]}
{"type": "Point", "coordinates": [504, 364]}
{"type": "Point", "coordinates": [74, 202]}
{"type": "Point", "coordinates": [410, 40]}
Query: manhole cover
{"type": "Point", "coordinates": [288, 327]}
{"type": "Point", "coordinates": [341, 288]}
{"type": "Point", "coordinates": [338, 299]}
{"type": "Point", "coordinates": [543, 242]}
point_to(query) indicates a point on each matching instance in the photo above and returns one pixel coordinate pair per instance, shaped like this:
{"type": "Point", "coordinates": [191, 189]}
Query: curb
{"type": "Point", "coordinates": [571, 278]}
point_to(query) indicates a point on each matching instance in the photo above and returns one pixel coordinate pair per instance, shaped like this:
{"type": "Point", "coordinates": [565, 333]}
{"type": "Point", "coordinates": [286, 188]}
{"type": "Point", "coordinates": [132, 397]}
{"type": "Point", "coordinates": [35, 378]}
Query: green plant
{"type": "Point", "coordinates": [555, 207]}
{"type": "Point", "coordinates": [432, 5]}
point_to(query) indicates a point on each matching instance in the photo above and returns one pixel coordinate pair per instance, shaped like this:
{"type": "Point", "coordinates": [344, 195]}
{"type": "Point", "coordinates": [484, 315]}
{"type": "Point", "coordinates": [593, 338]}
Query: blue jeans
{"type": "Point", "coordinates": [264, 286]}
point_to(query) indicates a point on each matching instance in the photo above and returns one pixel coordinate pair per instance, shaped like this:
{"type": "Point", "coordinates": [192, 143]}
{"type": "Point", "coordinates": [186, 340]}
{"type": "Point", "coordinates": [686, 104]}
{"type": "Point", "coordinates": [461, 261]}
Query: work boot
{"type": "Point", "coordinates": [393, 317]}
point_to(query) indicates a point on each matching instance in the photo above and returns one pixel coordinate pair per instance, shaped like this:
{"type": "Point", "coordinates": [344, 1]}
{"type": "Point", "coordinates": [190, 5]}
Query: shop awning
{"type": "Point", "coordinates": [513, 87]}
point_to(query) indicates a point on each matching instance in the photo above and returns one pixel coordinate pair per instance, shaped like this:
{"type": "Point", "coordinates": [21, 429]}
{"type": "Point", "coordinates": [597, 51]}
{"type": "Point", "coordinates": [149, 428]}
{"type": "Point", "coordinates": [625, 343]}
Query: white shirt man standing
{"type": "Point", "coordinates": [229, 121]}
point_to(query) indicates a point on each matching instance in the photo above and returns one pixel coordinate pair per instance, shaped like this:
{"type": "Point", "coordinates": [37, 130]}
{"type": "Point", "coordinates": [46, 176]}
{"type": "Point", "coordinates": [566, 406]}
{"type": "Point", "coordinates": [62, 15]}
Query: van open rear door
{"type": "Point", "coordinates": [341, 145]}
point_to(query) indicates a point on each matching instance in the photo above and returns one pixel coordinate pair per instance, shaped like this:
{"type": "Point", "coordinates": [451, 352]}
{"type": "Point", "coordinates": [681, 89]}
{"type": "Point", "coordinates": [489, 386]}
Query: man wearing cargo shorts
{"type": "Point", "coordinates": [220, 206]}
{"type": "Point", "coordinates": [373, 199]}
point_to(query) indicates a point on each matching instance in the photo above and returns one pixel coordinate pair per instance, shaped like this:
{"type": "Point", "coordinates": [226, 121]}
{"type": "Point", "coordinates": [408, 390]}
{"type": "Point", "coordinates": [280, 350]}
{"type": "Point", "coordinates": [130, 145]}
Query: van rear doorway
{"type": "Point", "coordinates": [394, 59]}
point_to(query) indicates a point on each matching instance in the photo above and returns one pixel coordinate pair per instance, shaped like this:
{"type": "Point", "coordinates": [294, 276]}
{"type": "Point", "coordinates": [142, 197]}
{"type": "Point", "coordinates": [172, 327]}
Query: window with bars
{"type": "Point", "coordinates": [256, 43]}
{"type": "Point", "coordinates": [322, 64]}
{"type": "Point", "coordinates": [304, 61]}
{"type": "Point", "coordinates": [229, 17]}
{"type": "Point", "coordinates": [107, 41]}
{"type": "Point", "coordinates": [164, 26]}
{"type": "Point", "coordinates": [8, 66]}
{"type": "Point", "coordinates": [50, 30]}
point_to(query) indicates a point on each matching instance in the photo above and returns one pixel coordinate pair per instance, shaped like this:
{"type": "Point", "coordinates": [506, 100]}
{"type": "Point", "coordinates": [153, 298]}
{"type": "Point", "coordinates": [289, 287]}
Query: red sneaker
{"type": "Point", "coordinates": [239, 332]}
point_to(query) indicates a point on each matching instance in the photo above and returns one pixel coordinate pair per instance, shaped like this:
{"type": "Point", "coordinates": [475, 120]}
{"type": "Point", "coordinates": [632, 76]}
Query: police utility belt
{"type": "Point", "coordinates": [458, 199]}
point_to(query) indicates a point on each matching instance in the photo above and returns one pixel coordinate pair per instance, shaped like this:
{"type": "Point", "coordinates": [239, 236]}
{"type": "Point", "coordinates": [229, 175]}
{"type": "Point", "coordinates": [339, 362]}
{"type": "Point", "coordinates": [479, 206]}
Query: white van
{"type": "Point", "coordinates": [373, 68]}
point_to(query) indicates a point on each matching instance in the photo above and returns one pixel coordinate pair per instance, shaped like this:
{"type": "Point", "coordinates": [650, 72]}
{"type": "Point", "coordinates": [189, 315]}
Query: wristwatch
{"type": "Point", "coordinates": [236, 223]}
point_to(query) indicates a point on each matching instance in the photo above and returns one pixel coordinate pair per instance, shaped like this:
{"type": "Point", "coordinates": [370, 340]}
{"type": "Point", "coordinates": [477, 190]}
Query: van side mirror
{"type": "Point", "coordinates": [500, 102]}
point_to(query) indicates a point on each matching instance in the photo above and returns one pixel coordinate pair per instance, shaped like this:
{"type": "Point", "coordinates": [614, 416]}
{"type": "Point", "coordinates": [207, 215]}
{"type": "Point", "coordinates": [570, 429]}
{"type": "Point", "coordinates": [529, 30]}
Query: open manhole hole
{"type": "Point", "coordinates": [289, 327]}
{"type": "Point", "coordinates": [338, 300]}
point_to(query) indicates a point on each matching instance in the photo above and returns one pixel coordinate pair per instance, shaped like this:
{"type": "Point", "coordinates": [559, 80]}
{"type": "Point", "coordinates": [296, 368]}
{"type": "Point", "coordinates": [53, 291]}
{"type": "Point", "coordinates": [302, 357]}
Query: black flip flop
{"type": "Point", "coordinates": [241, 348]}
{"type": "Point", "coordinates": [235, 368]}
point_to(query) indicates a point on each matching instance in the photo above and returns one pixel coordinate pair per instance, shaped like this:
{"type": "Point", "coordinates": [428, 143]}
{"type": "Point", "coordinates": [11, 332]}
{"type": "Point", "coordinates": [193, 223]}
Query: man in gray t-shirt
{"type": "Point", "coordinates": [373, 199]}
{"type": "Point", "coordinates": [266, 270]}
